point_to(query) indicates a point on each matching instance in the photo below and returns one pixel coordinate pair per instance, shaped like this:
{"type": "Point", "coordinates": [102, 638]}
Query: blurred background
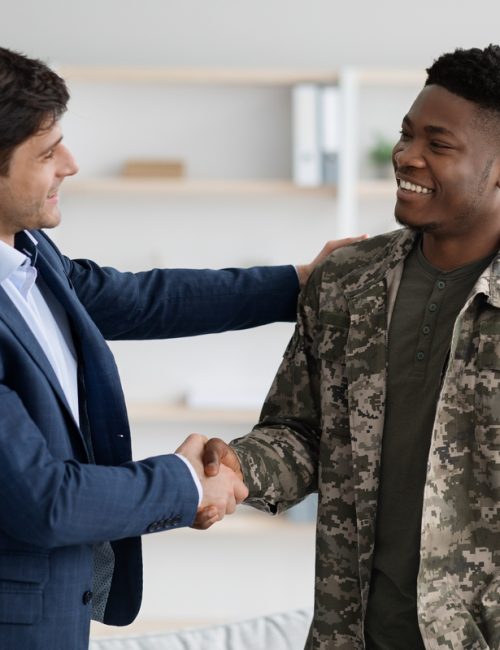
{"type": "Point", "coordinates": [214, 133]}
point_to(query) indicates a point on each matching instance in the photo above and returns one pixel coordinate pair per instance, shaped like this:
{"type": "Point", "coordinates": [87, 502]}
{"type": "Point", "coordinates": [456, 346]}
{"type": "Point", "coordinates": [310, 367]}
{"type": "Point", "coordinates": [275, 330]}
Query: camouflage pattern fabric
{"type": "Point", "coordinates": [321, 430]}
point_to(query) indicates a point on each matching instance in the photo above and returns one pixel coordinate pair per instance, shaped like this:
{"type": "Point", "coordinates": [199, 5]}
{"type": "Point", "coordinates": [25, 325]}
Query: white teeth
{"type": "Point", "coordinates": [406, 185]}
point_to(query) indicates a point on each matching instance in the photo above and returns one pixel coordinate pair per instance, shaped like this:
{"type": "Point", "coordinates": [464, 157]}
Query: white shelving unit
{"type": "Point", "coordinates": [349, 80]}
{"type": "Point", "coordinates": [342, 202]}
{"type": "Point", "coordinates": [142, 413]}
{"type": "Point", "coordinates": [226, 77]}
{"type": "Point", "coordinates": [352, 188]}
{"type": "Point", "coordinates": [207, 76]}
{"type": "Point", "coordinates": [116, 185]}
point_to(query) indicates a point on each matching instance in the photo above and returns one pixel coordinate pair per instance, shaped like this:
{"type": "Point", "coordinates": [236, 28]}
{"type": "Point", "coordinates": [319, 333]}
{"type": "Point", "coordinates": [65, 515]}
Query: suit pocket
{"type": "Point", "coordinates": [22, 579]}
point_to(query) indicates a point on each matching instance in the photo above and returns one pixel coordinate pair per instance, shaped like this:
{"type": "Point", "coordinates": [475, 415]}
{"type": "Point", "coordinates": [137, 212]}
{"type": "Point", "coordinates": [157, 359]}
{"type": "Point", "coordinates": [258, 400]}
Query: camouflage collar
{"type": "Point", "coordinates": [489, 282]}
{"type": "Point", "coordinates": [397, 246]}
{"type": "Point", "coordinates": [393, 251]}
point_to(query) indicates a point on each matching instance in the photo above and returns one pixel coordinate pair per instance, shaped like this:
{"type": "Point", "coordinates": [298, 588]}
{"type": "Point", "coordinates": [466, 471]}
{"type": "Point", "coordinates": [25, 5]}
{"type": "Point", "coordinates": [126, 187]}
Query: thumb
{"type": "Point", "coordinates": [216, 452]}
{"type": "Point", "coordinates": [213, 454]}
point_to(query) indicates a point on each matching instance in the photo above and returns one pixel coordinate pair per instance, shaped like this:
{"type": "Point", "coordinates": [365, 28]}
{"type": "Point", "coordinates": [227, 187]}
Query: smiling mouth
{"type": "Point", "coordinates": [413, 187]}
{"type": "Point", "coordinates": [53, 194]}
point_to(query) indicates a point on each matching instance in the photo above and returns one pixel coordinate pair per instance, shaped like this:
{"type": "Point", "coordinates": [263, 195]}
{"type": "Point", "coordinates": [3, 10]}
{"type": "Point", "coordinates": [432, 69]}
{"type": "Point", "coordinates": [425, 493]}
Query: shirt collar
{"type": "Point", "coordinates": [27, 244]}
{"type": "Point", "coordinates": [11, 258]}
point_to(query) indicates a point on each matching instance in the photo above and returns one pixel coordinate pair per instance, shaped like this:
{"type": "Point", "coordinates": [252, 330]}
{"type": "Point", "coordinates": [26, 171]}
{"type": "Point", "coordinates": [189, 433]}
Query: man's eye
{"type": "Point", "coordinates": [403, 135]}
{"type": "Point", "coordinates": [439, 145]}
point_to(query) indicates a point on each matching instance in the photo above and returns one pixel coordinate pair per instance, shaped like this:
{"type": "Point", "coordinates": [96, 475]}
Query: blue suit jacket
{"type": "Point", "coordinates": [55, 503]}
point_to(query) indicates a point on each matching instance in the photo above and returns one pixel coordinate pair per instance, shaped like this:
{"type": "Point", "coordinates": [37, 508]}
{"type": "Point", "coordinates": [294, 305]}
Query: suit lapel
{"type": "Point", "coordinates": [99, 382]}
{"type": "Point", "coordinates": [106, 413]}
{"type": "Point", "coordinates": [19, 328]}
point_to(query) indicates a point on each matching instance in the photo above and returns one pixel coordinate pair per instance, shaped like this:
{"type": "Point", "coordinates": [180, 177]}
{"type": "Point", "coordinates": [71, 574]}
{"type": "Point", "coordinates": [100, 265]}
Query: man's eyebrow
{"type": "Point", "coordinates": [431, 130]}
{"type": "Point", "coordinates": [50, 147]}
{"type": "Point", "coordinates": [438, 130]}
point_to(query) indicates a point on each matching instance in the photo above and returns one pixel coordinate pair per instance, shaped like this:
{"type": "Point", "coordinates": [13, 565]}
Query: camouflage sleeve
{"type": "Point", "coordinates": [279, 457]}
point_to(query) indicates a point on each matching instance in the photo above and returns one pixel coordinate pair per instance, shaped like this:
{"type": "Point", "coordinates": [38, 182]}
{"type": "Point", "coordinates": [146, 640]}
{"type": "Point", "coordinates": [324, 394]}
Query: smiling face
{"type": "Point", "coordinates": [447, 168]}
{"type": "Point", "coordinates": [29, 192]}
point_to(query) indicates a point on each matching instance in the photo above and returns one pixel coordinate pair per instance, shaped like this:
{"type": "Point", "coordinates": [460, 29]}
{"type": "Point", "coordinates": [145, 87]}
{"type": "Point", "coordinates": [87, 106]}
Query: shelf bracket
{"type": "Point", "coordinates": [347, 222]}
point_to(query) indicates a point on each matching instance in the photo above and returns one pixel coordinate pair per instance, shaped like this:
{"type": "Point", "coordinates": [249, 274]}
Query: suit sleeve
{"type": "Point", "coordinates": [170, 303]}
{"type": "Point", "coordinates": [52, 502]}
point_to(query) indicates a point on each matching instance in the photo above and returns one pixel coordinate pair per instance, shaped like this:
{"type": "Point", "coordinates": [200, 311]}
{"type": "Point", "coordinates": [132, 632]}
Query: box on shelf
{"type": "Point", "coordinates": [143, 168]}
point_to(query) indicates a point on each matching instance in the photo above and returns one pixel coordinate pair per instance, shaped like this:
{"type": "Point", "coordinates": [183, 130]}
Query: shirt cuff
{"type": "Point", "coordinates": [195, 478]}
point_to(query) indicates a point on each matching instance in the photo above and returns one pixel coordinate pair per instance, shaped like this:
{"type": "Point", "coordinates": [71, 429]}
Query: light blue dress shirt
{"type": "Point", "coordinates": [44, 316]}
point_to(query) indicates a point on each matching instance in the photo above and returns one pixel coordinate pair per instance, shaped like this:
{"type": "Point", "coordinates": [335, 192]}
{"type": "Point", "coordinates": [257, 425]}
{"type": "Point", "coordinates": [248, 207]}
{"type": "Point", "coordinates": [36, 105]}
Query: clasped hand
{"type": "Point", "coordinates": [219, 473]}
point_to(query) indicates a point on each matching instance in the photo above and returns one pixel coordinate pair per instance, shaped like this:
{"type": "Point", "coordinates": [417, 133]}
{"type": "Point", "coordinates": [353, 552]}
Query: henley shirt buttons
{"type": "Point", "coordinates": [433, 306]}
{"type": "Point", "coordinates": [420, 355]}
{"type": "Point", "coordinates": [441, 284]}
{"type": "Point", "coordinates": [426, 330]}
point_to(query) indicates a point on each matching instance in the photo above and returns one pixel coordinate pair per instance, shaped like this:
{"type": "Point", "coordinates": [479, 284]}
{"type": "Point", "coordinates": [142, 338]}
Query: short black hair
{"type": "Point", "coordinates": [32, 97]}
{"type": "Point", "coordinates": [473, 74]}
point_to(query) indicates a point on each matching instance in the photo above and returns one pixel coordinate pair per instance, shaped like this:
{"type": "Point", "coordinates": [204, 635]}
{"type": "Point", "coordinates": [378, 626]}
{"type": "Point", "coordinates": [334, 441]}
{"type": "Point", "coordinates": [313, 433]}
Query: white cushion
{"type": "Point", "coordinates": [286, 631]}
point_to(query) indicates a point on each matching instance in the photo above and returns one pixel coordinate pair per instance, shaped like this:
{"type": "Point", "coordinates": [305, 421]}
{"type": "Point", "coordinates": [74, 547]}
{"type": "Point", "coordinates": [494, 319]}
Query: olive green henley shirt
{"type": "Point", "coordinates": [427, 304]}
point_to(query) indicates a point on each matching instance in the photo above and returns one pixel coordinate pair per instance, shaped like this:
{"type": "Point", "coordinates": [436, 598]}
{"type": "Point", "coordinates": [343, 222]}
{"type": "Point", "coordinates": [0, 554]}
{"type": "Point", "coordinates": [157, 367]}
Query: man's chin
{"type": "Point", "coordinates": [52, 219]}
{"type": "Point", "coordinates": [415, 226]}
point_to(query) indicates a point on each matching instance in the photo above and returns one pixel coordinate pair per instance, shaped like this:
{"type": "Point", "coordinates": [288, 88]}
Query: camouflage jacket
{"type": "Point", "coordinates": [321, 430]}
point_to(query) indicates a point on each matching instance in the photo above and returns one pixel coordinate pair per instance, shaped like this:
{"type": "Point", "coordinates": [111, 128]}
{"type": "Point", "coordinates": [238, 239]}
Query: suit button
{"type": "Point", "coordinates": [87, 597]}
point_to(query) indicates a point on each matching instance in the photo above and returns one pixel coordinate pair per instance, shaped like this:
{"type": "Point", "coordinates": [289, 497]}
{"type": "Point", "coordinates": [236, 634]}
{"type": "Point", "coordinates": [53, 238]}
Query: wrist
{"type": "Point", "coordinates": [194, 476]}
{"type": "Point", "coordinates": [303, 273]}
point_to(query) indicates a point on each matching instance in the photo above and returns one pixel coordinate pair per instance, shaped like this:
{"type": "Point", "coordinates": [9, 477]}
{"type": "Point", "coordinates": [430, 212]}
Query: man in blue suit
{"type": "Point", "coordinates": [73, 503]}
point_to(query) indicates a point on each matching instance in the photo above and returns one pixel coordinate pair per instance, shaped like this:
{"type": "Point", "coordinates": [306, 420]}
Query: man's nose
{"type": "Point", "coordinates": [69, 166]}
{"type": "Point", "coordinates": [409, 154]}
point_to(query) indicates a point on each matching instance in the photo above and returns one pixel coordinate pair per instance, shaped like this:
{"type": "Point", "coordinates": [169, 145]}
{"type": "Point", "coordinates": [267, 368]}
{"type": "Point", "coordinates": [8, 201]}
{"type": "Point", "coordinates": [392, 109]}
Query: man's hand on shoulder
{"type": "Point", "coordinates": [305, 270]}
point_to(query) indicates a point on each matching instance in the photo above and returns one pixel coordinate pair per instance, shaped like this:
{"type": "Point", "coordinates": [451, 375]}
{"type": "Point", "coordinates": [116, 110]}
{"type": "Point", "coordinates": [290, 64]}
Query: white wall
{"type": "Point", "coordinates": [243, 33]}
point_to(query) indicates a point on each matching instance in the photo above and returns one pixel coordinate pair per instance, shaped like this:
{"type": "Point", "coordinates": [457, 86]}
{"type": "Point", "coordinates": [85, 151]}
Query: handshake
{"type": "Point", "coordinates": [219, 472]}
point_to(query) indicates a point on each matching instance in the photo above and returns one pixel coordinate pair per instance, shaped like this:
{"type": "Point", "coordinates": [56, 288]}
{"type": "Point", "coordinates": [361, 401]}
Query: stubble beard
{"type": "Point", "coordinates": [416, 228]}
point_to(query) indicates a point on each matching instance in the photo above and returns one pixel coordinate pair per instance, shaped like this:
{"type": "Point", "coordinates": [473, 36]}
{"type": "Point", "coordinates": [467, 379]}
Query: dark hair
{"type": "Point", "coordinates": [472, 74]}
{"type": "Point", "coordinates": [32, 97]}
